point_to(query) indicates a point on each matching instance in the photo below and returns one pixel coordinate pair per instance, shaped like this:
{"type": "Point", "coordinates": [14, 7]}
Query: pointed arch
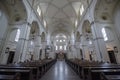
{"type": "Point", "coordinates": [17, 13]}
{"type": "Point", "coordinates": [34, 31]}
{"type": "Point", "coordinates": [86, 28]}
{"type": "Point", "coordinates": [104, 10]}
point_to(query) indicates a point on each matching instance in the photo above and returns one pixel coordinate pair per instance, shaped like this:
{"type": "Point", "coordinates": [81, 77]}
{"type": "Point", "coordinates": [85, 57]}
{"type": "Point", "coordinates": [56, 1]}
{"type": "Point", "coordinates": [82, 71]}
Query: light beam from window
{"type": "Point", "coordinates": [104, 34]}
{"type": "Point", "coordinates": [39, 11]}
{"type": "Point", "coordinates": [17, 35]}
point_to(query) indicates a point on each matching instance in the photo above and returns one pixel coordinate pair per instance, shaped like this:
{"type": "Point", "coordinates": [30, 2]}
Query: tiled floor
{"type": "Point", "coordinates": [60, 71]}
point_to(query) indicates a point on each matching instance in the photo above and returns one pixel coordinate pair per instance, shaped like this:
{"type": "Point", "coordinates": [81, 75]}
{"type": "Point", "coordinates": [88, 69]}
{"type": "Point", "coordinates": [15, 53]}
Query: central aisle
{"type": "Point", "coordinates": [60, 71]}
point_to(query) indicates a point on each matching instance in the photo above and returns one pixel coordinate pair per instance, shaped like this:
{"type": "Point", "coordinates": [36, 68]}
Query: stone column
{"type": "Point", "coordinates": [43, 49]}
{"type": "Point", "coordinates": [37, 47]}
{"type": "Point", "coordinates": [77, 44]}
{"type": "Point", "coordinates": [101, 51]}
{"type": "Point", "coordinates": [3, 42]}
{"type": "Point", "coordinates": [21, 48]}
{"type": "Point", "coordinates": [73, 51]}
{"type": "Point", "coordinates": [83, 46]}
{"type": "Point", "coordinates": [70, 53]}
{"type": "Point", "coordinates": [52, 53]}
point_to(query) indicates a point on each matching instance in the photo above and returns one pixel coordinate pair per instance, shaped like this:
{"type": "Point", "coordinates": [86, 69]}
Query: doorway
{"type": "Point", "coordinates": [10, 57]}
{"type": "Point", "coordinates": [112, 57]}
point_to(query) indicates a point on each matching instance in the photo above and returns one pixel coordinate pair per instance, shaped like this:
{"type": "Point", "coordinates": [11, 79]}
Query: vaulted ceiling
{"type": "Point", "coordinates": [14, 9]}
{"type": "Point", "coordinates": [60, 15]}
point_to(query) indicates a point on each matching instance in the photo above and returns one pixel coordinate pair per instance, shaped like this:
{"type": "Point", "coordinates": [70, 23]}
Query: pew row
{"type": "Point", "coordinates": [92, 70]}
{"type": "Point", "coordinates": [33, 70]}
{"type": "Point", "coordinates": [10, 77]}
{"type": "Point", "coordinates": [109, 77]}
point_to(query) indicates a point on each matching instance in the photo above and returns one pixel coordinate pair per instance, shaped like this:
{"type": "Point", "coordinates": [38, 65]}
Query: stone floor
{"type": "Point", "coordinates": [60, 71]}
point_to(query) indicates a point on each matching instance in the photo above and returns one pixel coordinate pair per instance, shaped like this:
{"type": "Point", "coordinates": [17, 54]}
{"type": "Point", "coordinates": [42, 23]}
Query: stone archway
{"type": "Point", "coordinates": [77, 45]}
{"type": "Point", "coordinates": [86, 28]}
{"type": "Point", "coordinates": [44, 46]}
{"type": "Point", "coordinates": [34, 42]}
{"type": "Point", "coordinates": [87, 41]}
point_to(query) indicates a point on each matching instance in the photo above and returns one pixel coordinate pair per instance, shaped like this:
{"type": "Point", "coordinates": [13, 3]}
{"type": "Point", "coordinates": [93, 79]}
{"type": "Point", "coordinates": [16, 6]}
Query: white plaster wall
{"type": "Point", "coordinates": [3, 25]}
{"type": "Point", "coordinates": [11, 43]}
{"type": "Point", "coordinates": [3, 34]}
{"type": "Point", "coordinates": [117, 20]}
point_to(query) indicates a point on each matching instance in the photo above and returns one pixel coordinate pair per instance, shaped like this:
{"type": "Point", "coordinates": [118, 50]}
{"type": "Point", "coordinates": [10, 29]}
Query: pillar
{"type": "Point", "coordinates": [43, 49]}
{"type": "Point", "coordinates": [77, 46]}
{"type": "Point", "coordinates": [83, 46]}
{"type": "Point", "coordinates": [100, 47]}
{"type": "Point", "coordinates": [3, 41]}
{"type": "Point", "coordinates": [37, 47]}
{"type": "Point", "coordinates": [21, 48]}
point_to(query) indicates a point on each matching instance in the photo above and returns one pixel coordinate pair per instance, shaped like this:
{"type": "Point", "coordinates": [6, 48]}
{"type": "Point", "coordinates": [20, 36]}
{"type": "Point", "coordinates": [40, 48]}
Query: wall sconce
{"type": "Point", "coordinates": [7, 50]}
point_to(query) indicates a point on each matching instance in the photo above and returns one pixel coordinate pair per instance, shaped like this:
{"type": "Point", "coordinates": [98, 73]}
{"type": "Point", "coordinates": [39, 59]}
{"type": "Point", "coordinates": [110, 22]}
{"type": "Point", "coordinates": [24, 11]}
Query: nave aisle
{"type": "Point", "coordinates": [60, 71]}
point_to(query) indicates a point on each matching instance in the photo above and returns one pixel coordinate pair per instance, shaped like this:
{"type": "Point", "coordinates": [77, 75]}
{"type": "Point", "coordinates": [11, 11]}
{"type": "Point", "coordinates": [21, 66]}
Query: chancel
{"type": "Point", "coordinates": [59, 39]}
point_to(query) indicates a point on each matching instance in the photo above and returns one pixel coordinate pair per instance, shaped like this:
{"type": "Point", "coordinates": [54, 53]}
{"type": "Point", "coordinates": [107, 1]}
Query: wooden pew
{"type": "Point", "coordinates": [34, 70]}
{"type": "Point", "coordinates": [29, 70]}
{"type": "Point", "coordinates": [25, 74]}
{"type": "Point", "coordinates": [43, 67]}
{"type": "Point", "coordinates": [109, 77]}
{"type": "Point", "coordinates": [78, 66]}
{"type": "Point", "coordinates": [6, 77]}
{"type": "Point", "coordinates": [17, 76]}
{"type": "Point", "coordinates": [85, 68]}
{"type": "Point", "coordinates": [95, 74]}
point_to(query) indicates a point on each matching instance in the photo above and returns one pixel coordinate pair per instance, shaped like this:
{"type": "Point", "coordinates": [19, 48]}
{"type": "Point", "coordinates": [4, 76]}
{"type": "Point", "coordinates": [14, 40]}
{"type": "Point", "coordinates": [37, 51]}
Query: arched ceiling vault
{"type": "Point", "coordinates": [15, 10]}
{"type": "Point", "coordinates": [60, 13]}
{"type": "Point", "coordinates": [104, 10]}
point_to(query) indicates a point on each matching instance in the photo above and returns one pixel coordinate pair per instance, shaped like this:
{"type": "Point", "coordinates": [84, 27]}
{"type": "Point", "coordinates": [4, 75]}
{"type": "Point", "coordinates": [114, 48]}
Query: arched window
{"type": "Point", "coordinates": [39, 11]}
{"type": "Point", "coordinates": [60, 40]}
{"type": "Point", "coordinates": [31, 42]}
{"type": "Point", "coordinates": [56, 47]}
{"type": "Point", "coordinates": [64, 47]}
{"type": "Point", "coordinates": [45, 24]}
{"type": "Point", "coordinates": [17, 35]}
{"type": "Point", "coordinates": [61, 47]}
{"type": "Point", "coordinates": [104, 34]}
{"type": "Point", "coordinates": [90, 42]}
{"type": "Point", "coordinates": [81, 9]}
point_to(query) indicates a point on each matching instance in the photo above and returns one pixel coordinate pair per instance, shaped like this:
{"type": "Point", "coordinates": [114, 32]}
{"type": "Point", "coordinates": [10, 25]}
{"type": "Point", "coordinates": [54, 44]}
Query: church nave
{"type": "Point", "coordinates": [60, 71]}
{"type": "Point", "coordinates": [59, 39]}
